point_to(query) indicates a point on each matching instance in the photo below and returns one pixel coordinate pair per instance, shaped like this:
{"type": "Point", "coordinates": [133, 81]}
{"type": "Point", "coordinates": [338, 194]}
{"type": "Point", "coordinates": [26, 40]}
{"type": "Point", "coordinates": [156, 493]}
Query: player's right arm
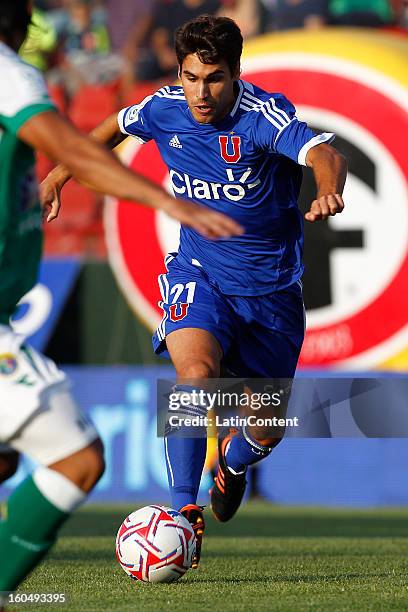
{"type": "Point", "coordinates": [95, 166]}
{"type": "Point", "coordinates": [107, 133]}
{"type": "Point", "coordinates": [132, 121]}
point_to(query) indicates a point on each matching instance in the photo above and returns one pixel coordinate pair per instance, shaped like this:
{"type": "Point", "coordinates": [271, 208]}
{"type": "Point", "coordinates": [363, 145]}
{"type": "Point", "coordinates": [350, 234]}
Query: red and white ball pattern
{"type": "Point", "coordinates": [155, 544]}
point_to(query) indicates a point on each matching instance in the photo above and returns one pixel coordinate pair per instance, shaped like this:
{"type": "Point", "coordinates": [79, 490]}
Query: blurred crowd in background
{"type": "Point", "coordinates": [80, 42]}
{"type": "Point", "coordinates": [101, 55]}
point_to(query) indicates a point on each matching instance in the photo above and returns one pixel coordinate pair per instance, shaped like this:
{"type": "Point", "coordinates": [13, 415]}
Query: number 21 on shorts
{"type": "Point", "coordinates": [178, 310]}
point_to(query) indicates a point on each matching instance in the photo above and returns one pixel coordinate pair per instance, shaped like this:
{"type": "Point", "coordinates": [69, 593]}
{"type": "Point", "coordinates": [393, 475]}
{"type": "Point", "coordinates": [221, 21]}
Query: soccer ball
{"type": "Point", "coordinates": [155, 544]}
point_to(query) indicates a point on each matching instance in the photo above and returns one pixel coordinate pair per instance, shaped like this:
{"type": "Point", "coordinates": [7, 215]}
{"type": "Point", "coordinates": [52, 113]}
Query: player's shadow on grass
{"type": "Point", "coordinates": [261, 520]}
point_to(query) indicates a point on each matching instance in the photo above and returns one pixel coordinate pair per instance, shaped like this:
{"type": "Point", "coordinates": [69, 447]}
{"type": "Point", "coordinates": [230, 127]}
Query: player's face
{"type": "Point", "coordinates": [209, 88]}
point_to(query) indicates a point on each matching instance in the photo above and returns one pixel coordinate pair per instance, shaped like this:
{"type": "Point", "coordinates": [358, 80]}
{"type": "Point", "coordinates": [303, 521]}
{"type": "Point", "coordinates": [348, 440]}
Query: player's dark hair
{"type": "Point", "coordinates": [212, 38]}
{"type": "Point", "coordinates": [15, 15]}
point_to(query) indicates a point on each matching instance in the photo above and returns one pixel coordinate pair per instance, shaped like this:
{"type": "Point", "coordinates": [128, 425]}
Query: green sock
{"type": "Point", "coordinates": [27, 532]}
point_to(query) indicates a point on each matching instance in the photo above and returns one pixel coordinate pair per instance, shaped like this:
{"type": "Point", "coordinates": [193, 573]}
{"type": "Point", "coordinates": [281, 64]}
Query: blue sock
{"type": "Point", "coordinates": [243, 450]}
{"type": "Point", "coordinates": [185, 451]}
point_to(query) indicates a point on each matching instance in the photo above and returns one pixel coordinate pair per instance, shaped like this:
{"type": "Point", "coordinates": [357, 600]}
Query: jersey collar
{"type": "Point", "coordinates": [238, 100]}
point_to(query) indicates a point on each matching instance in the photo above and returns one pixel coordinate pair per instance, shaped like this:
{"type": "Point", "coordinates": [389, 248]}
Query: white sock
{"type": "Point", "coordinates": [58, 489]}
{"type": "Point", "coordinates": [228, 467]}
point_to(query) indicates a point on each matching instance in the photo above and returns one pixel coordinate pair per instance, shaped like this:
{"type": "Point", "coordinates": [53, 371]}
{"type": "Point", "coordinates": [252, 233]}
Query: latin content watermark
{"type": "Point", "coordinates": [233, 421]}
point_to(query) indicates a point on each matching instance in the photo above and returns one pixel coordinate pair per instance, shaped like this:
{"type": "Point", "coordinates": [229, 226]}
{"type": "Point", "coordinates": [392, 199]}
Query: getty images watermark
{"type": "Point", "coordinates": [192, 407]}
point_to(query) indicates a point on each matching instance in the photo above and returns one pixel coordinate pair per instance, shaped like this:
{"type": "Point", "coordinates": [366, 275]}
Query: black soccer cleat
{"type": "Point", "coordinates": [194, 515]}
{"type": "Point", "coordinates": [228, 489]}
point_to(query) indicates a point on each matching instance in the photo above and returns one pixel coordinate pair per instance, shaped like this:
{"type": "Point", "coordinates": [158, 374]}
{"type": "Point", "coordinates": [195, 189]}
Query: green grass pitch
{"type": "Point", "coordinates": [267, 558]}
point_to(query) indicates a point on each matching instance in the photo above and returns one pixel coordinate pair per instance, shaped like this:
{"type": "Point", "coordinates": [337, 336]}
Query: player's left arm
{"type": "Point", "coordinates": [330, 171]}
{"type": "Point", "coordinates": [278, 130]}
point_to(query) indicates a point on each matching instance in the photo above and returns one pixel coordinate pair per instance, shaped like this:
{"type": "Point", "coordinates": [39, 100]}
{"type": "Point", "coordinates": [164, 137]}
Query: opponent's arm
{"type": "Point", "coordinates": [100, 170]}
{"type": "Point", "coordinates": [330, 171]}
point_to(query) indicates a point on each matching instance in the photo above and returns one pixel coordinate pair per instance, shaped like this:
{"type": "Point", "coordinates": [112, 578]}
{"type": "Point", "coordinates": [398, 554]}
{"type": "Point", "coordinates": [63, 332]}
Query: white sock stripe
{"type": "Point", "coordinates": [234, 472]}
{"type": "Point", "coordinates": [191, 408]}
{"type": "Point", "coordinates": [59, 490]}
{"type": "Point", "coordinates": [168, 462]}
{"type": "Point", "coordinates": [264, 449]}
{"type": "Point", "coordinates": [226, 461]}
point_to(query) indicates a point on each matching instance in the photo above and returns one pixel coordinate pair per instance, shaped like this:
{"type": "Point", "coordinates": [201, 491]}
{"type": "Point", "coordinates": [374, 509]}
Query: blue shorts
{"type": "Point", "coordinates": [260, 336]}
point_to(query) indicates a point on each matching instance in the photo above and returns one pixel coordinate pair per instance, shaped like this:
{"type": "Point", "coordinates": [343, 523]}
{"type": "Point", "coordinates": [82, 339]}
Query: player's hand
{"type": "Point", "coordinates": [207, 222]}
{"type": "Point", "coordinates": [50, 197]}
{"type": "Point", "coordinates": [324, 207]}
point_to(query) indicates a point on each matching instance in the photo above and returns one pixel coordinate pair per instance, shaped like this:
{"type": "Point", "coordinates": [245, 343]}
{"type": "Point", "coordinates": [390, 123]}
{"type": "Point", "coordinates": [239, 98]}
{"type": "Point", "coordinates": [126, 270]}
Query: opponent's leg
{"type": "Point", "coordinates": [9, 459]}
{"type": "Point", "coordinates": [196, 356]}
{"type": "Point", "coordinates": [83, 468]}
{"type": "Point", "coordinates": [8, 467]}
{"type": "Point", "coordinates": [71, 455]}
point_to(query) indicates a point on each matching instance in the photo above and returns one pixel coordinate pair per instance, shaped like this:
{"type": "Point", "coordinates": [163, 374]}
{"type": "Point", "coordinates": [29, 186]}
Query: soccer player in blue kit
{"type": "Point", "coordinates": [234, 305]}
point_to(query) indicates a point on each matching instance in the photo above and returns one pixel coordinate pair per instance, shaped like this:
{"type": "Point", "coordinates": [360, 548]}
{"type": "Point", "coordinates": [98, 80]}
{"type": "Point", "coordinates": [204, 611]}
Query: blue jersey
{"type": "Point", "coordinates": [246, 166]}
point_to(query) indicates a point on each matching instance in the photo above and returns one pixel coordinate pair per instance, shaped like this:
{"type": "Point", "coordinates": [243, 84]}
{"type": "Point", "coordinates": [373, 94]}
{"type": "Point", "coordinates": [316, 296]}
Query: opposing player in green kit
{"type": "Point", "coordinates": [38, 416]}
